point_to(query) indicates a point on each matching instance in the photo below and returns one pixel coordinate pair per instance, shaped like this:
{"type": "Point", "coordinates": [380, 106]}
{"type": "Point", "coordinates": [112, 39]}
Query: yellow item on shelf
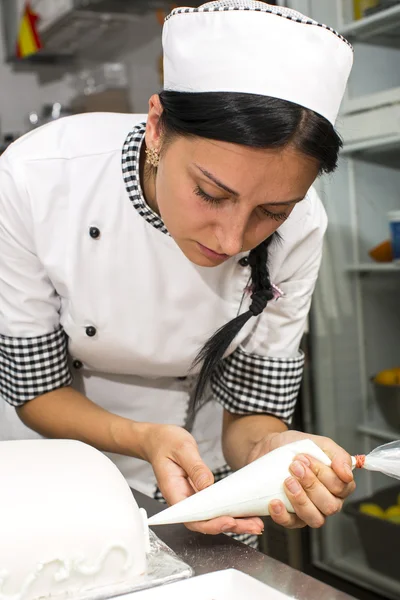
{"type": "Point", "coordinates": [373, 510]}
{"type": "Point", "coordinates": [28, 39]}
{"type": "Point", "coordinates": [360, 6]}
{"type": "Point", "coordinates": [392, 514]}
{"type": "Point", "coordinates": [395, 519]}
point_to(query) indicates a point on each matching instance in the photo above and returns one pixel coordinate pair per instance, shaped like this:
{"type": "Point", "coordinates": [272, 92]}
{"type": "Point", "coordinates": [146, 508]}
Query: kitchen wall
{"type": "Point", "coordinates": [142, 63]}
{"type": "Point", "coordinates": [22, 92]}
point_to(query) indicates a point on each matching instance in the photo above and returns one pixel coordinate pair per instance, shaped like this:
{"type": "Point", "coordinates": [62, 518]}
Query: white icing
{"type": "Point", "coordinates": [68, 521]}
{"type": "Point", "coordinates": [146, 532]}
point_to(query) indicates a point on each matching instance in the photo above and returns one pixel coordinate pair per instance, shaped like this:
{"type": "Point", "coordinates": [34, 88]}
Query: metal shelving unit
{"type": "Point", "coordinates": [381, 28]}
{"type": "Point", "coordinates": [355, 323]}
{"type": "Point", "coordinates": [376, 268]}
{"type": "Point", "coordinates": [379, 432]}
{"type": "Point", "coordinates": [354, 566]}
{"type": "Point", "coordinates": [384, 150]}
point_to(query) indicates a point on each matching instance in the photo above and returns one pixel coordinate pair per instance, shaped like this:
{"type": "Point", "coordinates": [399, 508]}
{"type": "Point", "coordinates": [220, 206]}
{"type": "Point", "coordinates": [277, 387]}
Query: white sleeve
{"type": "Point", "coordinates": [33, 346]}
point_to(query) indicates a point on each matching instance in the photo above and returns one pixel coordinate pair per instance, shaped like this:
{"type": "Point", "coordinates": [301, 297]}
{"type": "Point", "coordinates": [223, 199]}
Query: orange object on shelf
{"type": "Point", "coordinates": [388, 377]}
{"type": "Point", "coordinates": [382, 252]}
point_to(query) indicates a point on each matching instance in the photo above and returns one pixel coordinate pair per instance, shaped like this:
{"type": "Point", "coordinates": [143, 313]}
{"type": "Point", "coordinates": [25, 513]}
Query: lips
{"type": "Point", "coordinates": [211, 254]}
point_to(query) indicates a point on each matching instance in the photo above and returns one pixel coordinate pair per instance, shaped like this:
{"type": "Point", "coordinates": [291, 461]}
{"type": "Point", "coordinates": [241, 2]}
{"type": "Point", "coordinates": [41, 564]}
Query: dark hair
{"type": "Point", "coordinates": [258, 122]}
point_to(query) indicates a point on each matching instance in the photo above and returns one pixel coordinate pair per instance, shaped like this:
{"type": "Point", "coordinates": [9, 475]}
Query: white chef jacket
{"type": "Point", "coordinates": [92, 284]}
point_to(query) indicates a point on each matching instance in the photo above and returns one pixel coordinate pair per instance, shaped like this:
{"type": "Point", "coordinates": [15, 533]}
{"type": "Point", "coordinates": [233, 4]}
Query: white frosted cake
{"type": "Point", "coordinates": [69, 523]}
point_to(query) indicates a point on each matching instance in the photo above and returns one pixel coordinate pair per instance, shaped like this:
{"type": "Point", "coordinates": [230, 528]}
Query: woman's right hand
{"type": "Point", "coordinates": [180, 472]}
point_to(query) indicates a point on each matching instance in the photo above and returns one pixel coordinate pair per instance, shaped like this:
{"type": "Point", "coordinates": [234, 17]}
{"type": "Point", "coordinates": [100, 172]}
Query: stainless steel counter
{"type": "Point", "coordinates": [206, 553]}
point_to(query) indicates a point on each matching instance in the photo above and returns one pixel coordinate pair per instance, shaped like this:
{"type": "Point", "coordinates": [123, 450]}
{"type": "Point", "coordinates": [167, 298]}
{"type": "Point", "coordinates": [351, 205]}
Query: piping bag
{"type": "Point", "coordinates": [248, 491]}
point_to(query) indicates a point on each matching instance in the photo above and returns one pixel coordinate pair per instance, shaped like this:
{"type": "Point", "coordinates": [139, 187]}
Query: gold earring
{"type": "Point", "coordinates": [152, 157]}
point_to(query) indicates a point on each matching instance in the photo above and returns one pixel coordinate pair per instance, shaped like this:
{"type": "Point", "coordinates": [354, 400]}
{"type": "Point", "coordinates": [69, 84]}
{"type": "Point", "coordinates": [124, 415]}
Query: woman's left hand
{"type": "Point", "coordinates": [314, 490]}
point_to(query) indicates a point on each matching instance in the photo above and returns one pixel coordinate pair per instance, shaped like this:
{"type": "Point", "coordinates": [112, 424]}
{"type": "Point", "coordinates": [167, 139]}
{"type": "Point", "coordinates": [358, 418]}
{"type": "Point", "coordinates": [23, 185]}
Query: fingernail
{"type": "Point", "coordinates": [225, 528]}
{"type": "Point", "coordinates": [297, 469]}
{"type": "Point", "coordinates": [276, 508]}
{"type": "Point", "coordinates": [304, 460]}
{"type": "Point", "coordinates": [348, 469]}
{"type": "Point", "coordinates": [293, 485]}
{"type": "Point", "coordinates": [202, 482]}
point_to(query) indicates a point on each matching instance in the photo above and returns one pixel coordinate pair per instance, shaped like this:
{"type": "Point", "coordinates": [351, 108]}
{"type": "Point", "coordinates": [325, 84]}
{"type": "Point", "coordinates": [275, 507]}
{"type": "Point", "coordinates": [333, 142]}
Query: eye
{"type": "Point", "coordinates": [202, 194]}
{"type": "Point", "coordinates": [275, 216]}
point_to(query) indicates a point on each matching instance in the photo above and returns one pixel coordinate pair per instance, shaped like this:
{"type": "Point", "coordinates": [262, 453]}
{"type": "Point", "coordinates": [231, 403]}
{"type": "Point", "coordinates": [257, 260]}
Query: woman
{"type": "Point", "coordinates": [106, 268]}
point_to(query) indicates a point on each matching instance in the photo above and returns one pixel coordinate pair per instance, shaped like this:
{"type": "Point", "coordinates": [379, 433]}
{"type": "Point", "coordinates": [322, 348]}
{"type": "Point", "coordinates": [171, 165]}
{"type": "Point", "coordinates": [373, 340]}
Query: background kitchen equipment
{"type": "Point", "coordinates": [380, 532]}
{"type": "Point", "coordinates": [82, 29]}
{"type": "Point", "coordinates": [47, 113]}
{"type": "Point", "coordinates": [355, 321]}
{"type": "Point", "coordinates": [363, 8]}
{"type": "Point", "coordinates": [103, 88]}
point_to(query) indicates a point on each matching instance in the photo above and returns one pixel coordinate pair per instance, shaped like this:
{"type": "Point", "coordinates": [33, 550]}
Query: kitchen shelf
{"type": "Point", "coordinates": [374, 268]}
{"type": "Point", "coordinates": [353, 567]}
{"type": "Point", "coordinates": [383, 150]}
{"type": "Point", "coordinates": [381, 28]}
{"type": "Point", "coordinates": [379, 431]}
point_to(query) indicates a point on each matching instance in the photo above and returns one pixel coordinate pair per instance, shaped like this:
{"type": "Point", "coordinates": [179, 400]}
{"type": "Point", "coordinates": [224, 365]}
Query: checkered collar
{"type": "Point", "coordinates": [130, 171]}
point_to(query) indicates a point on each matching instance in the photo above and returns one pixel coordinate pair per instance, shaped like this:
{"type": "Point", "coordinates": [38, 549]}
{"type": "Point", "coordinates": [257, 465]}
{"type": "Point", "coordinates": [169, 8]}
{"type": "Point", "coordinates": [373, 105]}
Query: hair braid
{"type": "Point", "coordinates": [261, 292]}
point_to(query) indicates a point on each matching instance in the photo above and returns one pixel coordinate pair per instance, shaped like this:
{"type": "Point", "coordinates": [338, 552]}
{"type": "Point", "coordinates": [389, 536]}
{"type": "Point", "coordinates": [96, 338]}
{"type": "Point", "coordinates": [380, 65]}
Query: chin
{"type": "Point", "coordinates": [204, 262]}
{"type": "Point", "coordinates": [201, 261]}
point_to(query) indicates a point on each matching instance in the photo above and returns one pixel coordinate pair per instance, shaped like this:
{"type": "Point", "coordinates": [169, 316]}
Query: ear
{"type": "Point", "coordinates": [153, 130]}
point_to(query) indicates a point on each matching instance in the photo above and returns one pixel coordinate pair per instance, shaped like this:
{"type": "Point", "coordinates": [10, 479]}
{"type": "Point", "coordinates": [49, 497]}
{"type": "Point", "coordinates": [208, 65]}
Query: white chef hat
{"type": "Point", "coordinates": [253, 47]}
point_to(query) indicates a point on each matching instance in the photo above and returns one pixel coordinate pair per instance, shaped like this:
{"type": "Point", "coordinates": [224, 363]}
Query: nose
{"type": "Point", "coordinates": [231, 234]}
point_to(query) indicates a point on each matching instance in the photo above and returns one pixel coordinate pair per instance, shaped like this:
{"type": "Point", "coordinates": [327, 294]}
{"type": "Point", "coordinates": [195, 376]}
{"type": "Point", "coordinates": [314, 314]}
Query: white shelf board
{"type": "Point", "coordinates": [382, 28]}
{"type": "Point", "coordinates": [369, 102]}
{"type": "Point", "coordinates": [353, 567]}
{"type": "Point", "coordinates": [383, 150]}
{"type": "Point", "coordinates": [380, 431]}
{"type": "Point", "coordinates": [374, 267]}
{"type": "Point", "coordinates": [379, 144]}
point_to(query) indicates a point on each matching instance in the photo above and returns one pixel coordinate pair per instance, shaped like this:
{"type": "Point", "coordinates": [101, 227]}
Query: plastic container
{"type": "Point", "coordinates": [380, 538]}
{"type": "Point", "coordinates": [394, 223]}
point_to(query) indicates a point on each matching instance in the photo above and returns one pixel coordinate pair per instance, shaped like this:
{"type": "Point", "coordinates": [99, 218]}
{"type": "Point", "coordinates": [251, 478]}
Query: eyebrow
{"type": "Point", "coordinates": [230, 191]}
{"type": "Point", "coordinates": [288, 203]}
{"type": "Point", "coordinates": [217, 181]}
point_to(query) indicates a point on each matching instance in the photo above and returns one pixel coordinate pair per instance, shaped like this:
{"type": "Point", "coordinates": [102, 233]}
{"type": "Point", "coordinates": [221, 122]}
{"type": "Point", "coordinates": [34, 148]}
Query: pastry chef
{"type": "Point", "coordinates": [127, 241]}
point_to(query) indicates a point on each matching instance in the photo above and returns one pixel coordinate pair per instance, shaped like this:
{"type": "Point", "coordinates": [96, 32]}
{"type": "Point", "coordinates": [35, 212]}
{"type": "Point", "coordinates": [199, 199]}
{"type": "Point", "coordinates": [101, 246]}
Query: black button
{"type": "Point", "coordinates": [94, 232]}
{"type": "Point", "coordinates": [182, 378]}
{"type": "Point", "coordinates": [77, 364]}
{"type": "Point", "coordinates": [244, 262]}
{"type": "Point", "coordinates": [91, 331]}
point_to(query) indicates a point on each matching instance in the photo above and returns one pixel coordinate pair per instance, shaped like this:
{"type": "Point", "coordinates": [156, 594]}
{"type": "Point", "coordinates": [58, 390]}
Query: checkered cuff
{"type": "Point", "coordinates": [253, 384]}
{"type": "Point", "coordinates": [33, 366]}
